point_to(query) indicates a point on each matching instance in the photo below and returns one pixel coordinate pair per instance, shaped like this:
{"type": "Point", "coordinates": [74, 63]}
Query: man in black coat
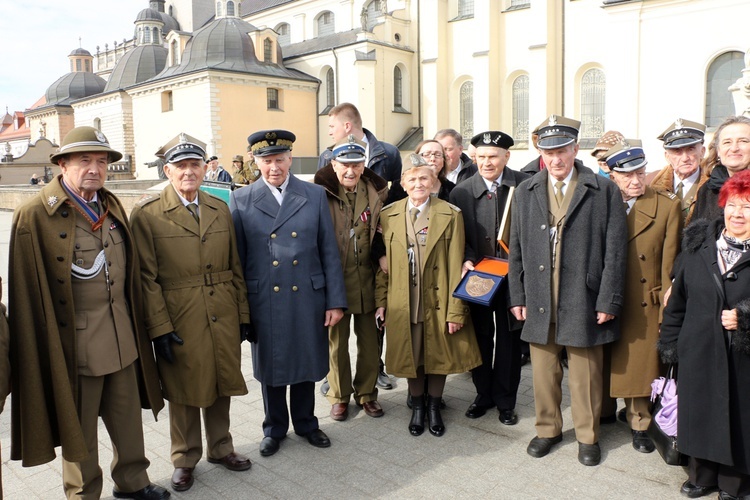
{"type": "Point", "coordinates": [458, 165]}
{"type": "Point", "coordinates": [482, 200]}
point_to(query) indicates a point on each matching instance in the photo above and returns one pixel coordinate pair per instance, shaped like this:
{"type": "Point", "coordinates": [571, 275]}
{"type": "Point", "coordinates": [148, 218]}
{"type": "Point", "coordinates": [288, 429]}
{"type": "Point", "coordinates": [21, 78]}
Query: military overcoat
{"type": "Point", "coordinates": [193, 286]}
{"type": "Point", "coordinates": [293, 274]}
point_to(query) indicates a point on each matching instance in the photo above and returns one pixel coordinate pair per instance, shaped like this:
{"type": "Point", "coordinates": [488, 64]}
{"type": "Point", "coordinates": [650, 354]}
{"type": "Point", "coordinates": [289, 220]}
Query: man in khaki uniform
{"type": "Point", "coordinates": [355, 197]}
{"type": "Point", "coordinates": [196, 321]}
{"type": "Point", "coordinates": [684, 150]}
{"type": "Point", "coordinates": [654, 230]}
{"type": "Point", "coordinates": [242, 173]}
{"type": "Point", "coordinates": [78, 347]}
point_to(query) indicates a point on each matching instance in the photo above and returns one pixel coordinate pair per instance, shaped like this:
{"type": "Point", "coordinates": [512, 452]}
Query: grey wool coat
{"type": "Point", "coordinates": [592, 260]}
{"type": "Point", "coordinates": [293, 275]}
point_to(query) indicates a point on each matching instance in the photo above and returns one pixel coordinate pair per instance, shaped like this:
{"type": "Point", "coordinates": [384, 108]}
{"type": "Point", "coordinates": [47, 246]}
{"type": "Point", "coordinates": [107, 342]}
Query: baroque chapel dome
{"type": "Point", "coordinates": [74, 86]}
{"type": "Point", "coordinates": [137, 65]}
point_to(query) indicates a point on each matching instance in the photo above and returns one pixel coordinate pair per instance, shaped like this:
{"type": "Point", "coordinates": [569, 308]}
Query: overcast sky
{"type": "Point", "coordinates": [38, 36]}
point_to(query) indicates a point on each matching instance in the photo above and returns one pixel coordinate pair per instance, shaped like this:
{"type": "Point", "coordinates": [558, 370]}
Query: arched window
{"type": "Point", "coordinates": [398, 88]}
{"type": "Point", "coordinates": [230, 8]}
{"type": "Point", "coordinates": [219, 11]}
{"type": "Point", "coordinates": [156, 35]}
{"type": "Point", "coordinates": [175, 52]}
{"type": "Point", "coordinates": [723, 72]}
{"type": "Point", "coordinates": [267, 50]}
{"type": "Point", "coordinates": [466, 110]}
{"type": "Point", "coordinates": [78, 65]}
{"type": "Point", "coordinates": [374, 12]}
{"type": "Point", "coordinates": [146, 35]}
{"type": "Point", "coordinates": [521, 110]}
{"type": "Point", "coordinates": [465, 8]}
{"type": "Point", "coordinates": [88, 66]}
{"type": "Point", "coordinates": [140, 35]}
{"type": "Point", "coordinates": [330, 89]}
{"type": "Point", "coordinates": [326, 24]}
{"type": "Point", "coordinates": [284, 33]}
{"type": "Point", "coordinates": [593, 86]}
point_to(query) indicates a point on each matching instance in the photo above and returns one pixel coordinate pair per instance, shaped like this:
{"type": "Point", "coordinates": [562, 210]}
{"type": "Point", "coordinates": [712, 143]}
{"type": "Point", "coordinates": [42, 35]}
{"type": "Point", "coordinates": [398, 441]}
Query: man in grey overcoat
{"type": "Point", "coordinates": [568, 233]}
{"type": "Point", "coordinates": [295, 286]}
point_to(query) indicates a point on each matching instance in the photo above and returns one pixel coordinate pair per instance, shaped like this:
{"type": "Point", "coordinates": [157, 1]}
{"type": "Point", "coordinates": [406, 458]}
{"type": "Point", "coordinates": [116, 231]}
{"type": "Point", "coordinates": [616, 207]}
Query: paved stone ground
{"type": "Point", "coordinates": [378, 457]}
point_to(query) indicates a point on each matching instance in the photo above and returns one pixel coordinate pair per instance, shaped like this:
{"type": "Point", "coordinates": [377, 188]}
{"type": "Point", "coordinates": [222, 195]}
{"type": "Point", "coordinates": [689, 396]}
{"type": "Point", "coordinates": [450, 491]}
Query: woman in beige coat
{"type": "Point", "coordinates": [429, 332]}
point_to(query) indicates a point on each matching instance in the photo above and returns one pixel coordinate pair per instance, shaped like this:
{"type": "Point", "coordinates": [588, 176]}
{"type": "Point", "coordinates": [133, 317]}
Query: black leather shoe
{"type": "Point", "coordinates": [723, 495]}
{"type": "Point", "coordinates": [539, 447]}
{"type": "Point", "coordinates": [642, 443]}
{"type": "Point", "coordinates": [525, 358]}
{"type": "Point", "coordinates": [589, 454]}
{"type": "Point", "coordinates": [691, 490]}
{"type": "Point", "coordinates": [609, 419]}
{"type": "Point", "coordinates": [269, 446]}
{"type": "Point", "coordinates": [476, 411]}
{"type": "Point", "coordinates": [416, 424]}
{"type": "Point", "coordinates": [150, 492]}
{"type": "Point", "coordinates": [434, 419]}
{"type": "Point", "coordinates": [324, 387]}
{"type": "Point", "coordinates": [508, 417]}
{"type": "Point", "coordinates": [384, 381]}
{"type": "Point", "coordinates": [318, 438]}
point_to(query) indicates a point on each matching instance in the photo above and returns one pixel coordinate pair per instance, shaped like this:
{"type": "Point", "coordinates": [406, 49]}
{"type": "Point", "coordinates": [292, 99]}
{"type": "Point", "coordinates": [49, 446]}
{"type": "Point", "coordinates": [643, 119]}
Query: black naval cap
{"type": "Point", "coordinates": [183, 147]}
{"type": "Point", "coordinates": [557, 132]}
{"type": "Point", "coordinates": [213, 158]}
{"type": "Point", "coordinates": [682, 133]}
{"type": "Point", "coordinates": [492, 138]}
{"type": "Point", "coordinates": [271, 142]}
{"type": "Point", "coordinates": [625, 156]}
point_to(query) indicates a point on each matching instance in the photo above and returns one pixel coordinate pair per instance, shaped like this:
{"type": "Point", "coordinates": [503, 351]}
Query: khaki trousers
{"type": "Point", "coordinates": [115, 397]}
{"type": "Point", "coordinates": [368, 360]}
{"type": "Point", "coordinates": [637, 413]}
{"type": "Point", "coordinates": [584, 382]}
{"type": "Point", "coordinates": [185, 431]}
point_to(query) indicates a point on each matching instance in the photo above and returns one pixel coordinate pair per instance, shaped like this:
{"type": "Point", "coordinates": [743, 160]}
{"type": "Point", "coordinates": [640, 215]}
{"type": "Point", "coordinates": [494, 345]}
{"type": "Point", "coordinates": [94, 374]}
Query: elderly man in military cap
{"type": "Point", "coordinates": [605, 142]}
{"type": "Point", "coordinates": [242, 174]}
{"type": "Point", "coordinates": [684, 151]}
{"type": "Point", "coordinates": [195, 305]}
{"type": "Point", "coordinates": [78, 346]}
{"type": "Point", "coordinates": [568, 233]}
{"type": "Point", "coordinates": [216, 172]}
{"type": "Point", "coordinates": [482, 199]}
{"type": "Point", "coordinates": [295, 286]}
{"type": "Point", "coordinates": [654, 230]}
{"type": "Point", "coordinates": [355, 196]}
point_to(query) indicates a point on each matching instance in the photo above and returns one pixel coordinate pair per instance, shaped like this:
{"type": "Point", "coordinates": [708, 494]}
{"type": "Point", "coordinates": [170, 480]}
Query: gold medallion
{"type": "Point", "coordinates": [476, 286]}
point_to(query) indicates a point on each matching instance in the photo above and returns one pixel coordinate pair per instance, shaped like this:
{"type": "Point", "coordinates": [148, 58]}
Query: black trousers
{"type": "Point", "coordinates": [497, 378]}
{"type": "Point", "coordinates": [707, 473]}
{"type": "Point", "coordinates": [301, 407]}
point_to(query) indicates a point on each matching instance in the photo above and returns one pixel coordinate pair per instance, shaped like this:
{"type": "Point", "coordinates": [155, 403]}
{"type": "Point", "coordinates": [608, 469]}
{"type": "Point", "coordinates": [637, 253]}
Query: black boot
{"type": "Point", "coordinates": [437, 428]}
{"type": "Point", "coordinates": [416, 425]}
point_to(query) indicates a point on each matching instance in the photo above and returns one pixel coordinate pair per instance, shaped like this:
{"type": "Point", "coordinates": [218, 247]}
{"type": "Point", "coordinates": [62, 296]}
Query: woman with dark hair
{"type": "Point", "coordinates": [433, 153]}
{"type": "Point", "coordinates": [731, 143]}
{"type": "Point", "coordinates": [706, 331]}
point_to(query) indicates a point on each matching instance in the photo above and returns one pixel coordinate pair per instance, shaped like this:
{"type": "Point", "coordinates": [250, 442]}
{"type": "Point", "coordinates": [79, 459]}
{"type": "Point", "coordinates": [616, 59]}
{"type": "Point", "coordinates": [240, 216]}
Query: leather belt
{"type": "Point", "coordinates": [209, 279]}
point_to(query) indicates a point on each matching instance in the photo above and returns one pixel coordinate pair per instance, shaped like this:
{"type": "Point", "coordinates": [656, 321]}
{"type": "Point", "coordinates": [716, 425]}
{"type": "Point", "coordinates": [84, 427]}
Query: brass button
{"type": "Point", "coordinates": [276, 263]}
{"type": "Point", "coordinates": [276, 289]}
{"type": "Point", "coordinates": [294, 288]}
{"type": "Point", "coordinates": [273, 236]}
{"type": "Point", "coordinates": [295, 262]}
{"type": "Point", "coordinates": [294, 234]}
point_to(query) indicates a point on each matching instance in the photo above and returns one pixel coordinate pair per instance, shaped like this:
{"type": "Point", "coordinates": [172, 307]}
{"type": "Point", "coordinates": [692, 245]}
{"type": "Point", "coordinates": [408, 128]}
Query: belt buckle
{"type": "Point", "coordinates": [208, 279]}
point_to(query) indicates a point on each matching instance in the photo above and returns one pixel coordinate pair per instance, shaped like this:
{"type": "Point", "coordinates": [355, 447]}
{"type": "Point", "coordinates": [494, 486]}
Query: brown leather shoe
{"type": "Point", "coordinates": [233, 461]}
{"type": "Point", "coordinates": [182, 479]}
{"type": "Point", "coordinates": [340, 411]}
{"type": "Point", "coordinates": [372, 409]}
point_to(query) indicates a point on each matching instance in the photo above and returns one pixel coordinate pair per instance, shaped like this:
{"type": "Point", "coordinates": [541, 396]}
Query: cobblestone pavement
{"type": "Point", "coordinates": [378, 457]}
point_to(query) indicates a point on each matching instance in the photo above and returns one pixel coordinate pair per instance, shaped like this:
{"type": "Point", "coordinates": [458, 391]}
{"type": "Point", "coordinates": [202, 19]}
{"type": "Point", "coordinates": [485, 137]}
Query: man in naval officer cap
{"type": "Point", "coordinates": [295, 286]}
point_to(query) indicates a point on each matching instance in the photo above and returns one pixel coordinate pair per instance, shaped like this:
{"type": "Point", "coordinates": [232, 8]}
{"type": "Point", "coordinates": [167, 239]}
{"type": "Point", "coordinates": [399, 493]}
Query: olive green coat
{"type": "Point", "coordinates": [441, 274]}
{"type": "Point", "coordinates": [179, 261]}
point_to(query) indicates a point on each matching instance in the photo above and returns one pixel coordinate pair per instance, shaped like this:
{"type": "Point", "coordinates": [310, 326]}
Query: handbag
{"type": "Point", "coordinates": [663, 427]}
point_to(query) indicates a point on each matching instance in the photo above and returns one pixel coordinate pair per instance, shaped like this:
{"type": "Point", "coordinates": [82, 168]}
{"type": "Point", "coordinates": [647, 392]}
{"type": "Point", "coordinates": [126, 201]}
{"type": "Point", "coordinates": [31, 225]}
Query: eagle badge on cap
{"type": "Point", "coordinates": [51, 201]}
{"type": "Point", "coordinates": [552, 121]}
{"type": "Point", "coordinates": [271, 135]}
{"type": "Point", "coordinates": [624, 142]}
{"type": "Point", "coordinates": [486, 138]}
{"type": "Point", "coordinates": [99, 136]}
{"type": "Point", "coordinates": [678, 123]}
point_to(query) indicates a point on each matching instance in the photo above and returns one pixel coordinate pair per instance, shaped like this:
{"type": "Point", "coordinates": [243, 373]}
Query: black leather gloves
{"type": "Point", "coordinates": [163, 346]}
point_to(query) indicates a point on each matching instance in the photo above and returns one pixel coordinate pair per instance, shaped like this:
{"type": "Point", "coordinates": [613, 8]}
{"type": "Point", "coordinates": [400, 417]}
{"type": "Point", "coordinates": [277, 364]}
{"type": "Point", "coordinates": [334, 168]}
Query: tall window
{"type": "Point", "coordinates": [521, 110]}
{"type": "Point", "coordinates": [398, 89]}
{"type": "Point", "coordinates": [330, 89]}
{"type": "Point", "coordinates": [374, 12]}
{"type": "Point", "coordinates": [466, 110]}
{"type": "Point", "coordinates": [326, 24]}
{"type": "Point", "coordinates": [465, 8]}
{"type": "Point", "coordinates": [146, 35]}
{"type": "Point", "coordinates": [593, 86]}
{"type": "Point", "coordinates": [78, 65]}
{"type": "Point", "coordinates": [273, 98]}
{"type": "Point", "coordinates": [175, 53]}
{"type": "Point", "coordinates": [156, 35]}
{"type": "Point", "coordinates": [219, 11]}
{"type": "Point", "coordinates": [723, 72]}
{"type": "Point", "coordinates": [267, 50]}
{"type": "Point", "coordinates": [88, 66]}
{"type": "Point", "coordinates": [284, 34]}
{"type": "Point", "coordinates": [230, 8]}
{"type": "Point", "coordinates": [167, 102]}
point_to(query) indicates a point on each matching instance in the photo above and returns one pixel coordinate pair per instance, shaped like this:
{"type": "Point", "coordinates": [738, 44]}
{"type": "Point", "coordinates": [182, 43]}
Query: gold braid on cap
{"type": "Point", "coordinates": [264, 144]}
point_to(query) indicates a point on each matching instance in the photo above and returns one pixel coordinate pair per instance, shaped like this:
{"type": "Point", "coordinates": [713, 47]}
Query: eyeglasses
{"type": "Point", "coordinates": [431, 154]}
{"type": "Point", "coordinates": [731, 208]}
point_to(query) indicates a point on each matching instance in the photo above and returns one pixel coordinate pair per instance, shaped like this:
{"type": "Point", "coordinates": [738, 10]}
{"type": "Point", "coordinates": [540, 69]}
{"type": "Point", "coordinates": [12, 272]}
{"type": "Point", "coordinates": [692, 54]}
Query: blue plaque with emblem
{"type": "Point", "coordinates": [480, 285]}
